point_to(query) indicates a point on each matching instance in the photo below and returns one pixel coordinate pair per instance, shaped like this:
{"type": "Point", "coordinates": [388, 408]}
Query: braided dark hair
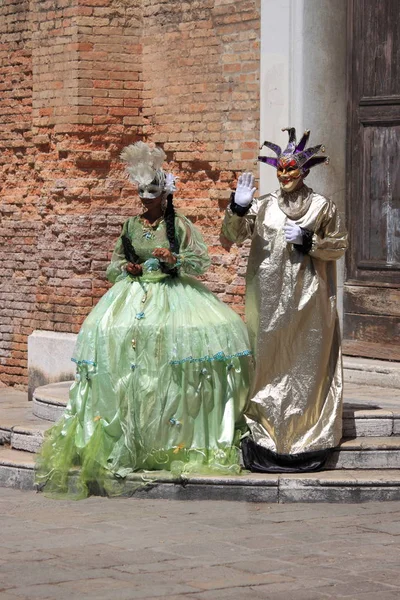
{"type": "Point", "coordinates": [129, 250]}
{"type": "Point", "coordinates": [169, 218]}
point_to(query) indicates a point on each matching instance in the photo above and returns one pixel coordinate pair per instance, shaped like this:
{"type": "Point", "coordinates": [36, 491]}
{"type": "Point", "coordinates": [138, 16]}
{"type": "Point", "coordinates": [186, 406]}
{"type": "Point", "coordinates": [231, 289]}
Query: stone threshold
{"type": "Point", "coordinates": [346, 486]}
{"type": "Point", "coordinates": [367, 371]}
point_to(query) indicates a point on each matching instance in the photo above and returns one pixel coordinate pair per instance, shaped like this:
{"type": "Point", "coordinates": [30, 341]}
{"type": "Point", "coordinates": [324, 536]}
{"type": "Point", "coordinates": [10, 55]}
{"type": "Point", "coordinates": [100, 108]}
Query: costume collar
{"type": "Point", "coordinates": [295, 204]}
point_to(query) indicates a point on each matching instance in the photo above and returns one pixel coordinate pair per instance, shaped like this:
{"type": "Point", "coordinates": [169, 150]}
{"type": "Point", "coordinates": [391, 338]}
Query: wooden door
{"type": "Point", "coordinates": [372, 285]}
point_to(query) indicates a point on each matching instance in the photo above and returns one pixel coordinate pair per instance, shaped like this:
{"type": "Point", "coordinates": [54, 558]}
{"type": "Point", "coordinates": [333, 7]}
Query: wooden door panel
{"type": "Point", "coordinates": [370, 350]}
{"type": "Point", "coordinates": [366, 333]}
{"type": "Point", "coordinates": [380, 248]}
{"type": "Point", "coordinates": [380, 50]}
{"type": "Point", "coordinates": [372, 301]}
{"type": "Point", "coordinates": [372, 285]}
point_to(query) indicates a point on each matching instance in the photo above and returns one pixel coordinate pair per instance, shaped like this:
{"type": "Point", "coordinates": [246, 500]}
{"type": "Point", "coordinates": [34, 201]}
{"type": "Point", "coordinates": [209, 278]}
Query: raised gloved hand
{"type": "Point", "coordinates": [293, 233]}
{"type": "Point", "coordinates": [245, 189]}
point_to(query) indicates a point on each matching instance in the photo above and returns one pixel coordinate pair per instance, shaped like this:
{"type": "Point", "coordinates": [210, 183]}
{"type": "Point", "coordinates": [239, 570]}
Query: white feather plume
{"type": "Point", "coordinates": [144, 163]}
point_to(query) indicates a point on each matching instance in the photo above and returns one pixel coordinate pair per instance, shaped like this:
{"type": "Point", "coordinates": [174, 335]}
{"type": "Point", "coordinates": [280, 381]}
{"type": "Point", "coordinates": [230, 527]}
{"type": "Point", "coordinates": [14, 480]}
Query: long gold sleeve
{"type": "Point", "coordinates": [238, 229]}
{"type": "Point", "coordinates": [329, 241]}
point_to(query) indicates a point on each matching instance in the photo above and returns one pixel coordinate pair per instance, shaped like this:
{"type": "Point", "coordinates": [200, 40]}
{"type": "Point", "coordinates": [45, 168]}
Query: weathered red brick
{"type": "Point", "coordinates": [192, 86]}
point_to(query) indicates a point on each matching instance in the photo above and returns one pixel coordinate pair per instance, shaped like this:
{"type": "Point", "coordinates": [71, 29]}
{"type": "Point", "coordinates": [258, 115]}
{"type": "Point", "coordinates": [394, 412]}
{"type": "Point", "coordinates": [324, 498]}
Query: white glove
{"type": "Point", "coordinates": [245, 190]}
{"type": "Point", "coordinates": [170, 183]}
{"type": "Point", "coordinates": [293, 233]}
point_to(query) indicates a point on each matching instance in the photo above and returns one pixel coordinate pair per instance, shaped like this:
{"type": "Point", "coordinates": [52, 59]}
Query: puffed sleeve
{"type": "Point", "coordinates": [239, 228]}
{"type": "Point", "coordinates": [115, 269]}
{"type": "Point", "coordinates": [193, 256]}
{"type": "Point", "coordinates": [329, 241]}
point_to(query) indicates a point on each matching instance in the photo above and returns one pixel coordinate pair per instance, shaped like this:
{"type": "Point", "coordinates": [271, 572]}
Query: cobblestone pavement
{"type": "Point", "coordinates": [126, 549]}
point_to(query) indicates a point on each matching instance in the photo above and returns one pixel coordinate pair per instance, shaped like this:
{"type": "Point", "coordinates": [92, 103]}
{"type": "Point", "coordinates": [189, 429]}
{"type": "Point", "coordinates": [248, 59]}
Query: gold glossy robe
{"type": "Point", "coordinates": [296, 399]}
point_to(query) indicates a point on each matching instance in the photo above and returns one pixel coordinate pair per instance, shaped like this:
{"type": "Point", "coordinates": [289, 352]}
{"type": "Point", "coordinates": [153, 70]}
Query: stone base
{"type": "Point", "coordinates": [14, 477]}
{"type": "Point", "coordinates": [49, 358]}
{"type": "Point", "coordinates": [353, 486]}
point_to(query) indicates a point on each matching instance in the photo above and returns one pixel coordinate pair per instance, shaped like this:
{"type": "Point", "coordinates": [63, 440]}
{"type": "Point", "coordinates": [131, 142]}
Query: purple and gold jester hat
{"type": "Point", "coordinates": [295, 155]}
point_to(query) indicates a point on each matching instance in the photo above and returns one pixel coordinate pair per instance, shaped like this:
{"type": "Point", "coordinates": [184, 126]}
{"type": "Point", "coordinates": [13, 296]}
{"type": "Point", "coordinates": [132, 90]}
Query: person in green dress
{"type": "Point", "coordinates": [163, 367]}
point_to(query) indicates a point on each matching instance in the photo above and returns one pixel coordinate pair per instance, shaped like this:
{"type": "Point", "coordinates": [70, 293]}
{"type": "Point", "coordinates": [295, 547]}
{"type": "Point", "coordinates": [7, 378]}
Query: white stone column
{"type": "Point", "coordinates": [303, 85]}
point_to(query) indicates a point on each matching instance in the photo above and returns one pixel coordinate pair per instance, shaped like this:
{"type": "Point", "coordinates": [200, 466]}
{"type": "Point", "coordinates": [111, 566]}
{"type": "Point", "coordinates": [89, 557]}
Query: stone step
{"type": "Point", "coordinates": [373, 428]}
{"type": "Point", "coordinates": [361, 422]}
{"type": "Point", "coordinates": [347, 486]}
{"type": "Point", "coordinates": [367, 411]}
{"type": "Point", "coordinates": [357, 453]}
{"type": "Point", "coordinates": [366, 453]}
{"type": "Point", "coordinates": [22, 436]}
{"type": "Point", "coordinates": [372, 372]}
{"type": "Point", "coordinates": [49, 401]}
{"type": "Point", "coordinates": [17, 471]}
{"type": "Point", "coordinates": [28, 439]}
{"type": "Point", "coordinates": [362, 419]}
{"type": "Point", "coordinates": [19, 428]}
{"type": "Point", "coordinates": [22, 431]}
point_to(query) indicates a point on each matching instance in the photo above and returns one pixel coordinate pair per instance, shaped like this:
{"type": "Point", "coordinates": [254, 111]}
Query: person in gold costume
{"type": "Point", "coordinates": [295, 412]}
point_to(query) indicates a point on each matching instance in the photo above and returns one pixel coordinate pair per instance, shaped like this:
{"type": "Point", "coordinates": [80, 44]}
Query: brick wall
{"type": "Point", "coordinates": [200, 100]}
{"type": "Point", "coordinates": [18, 227]}
{"type": "Point", "coordinates": [82, 81]}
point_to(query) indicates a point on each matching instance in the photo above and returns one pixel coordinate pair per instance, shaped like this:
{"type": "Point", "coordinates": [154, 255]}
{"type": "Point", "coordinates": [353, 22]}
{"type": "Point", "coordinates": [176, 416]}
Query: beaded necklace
{"type": "Point", "coordinates": [150, 228]}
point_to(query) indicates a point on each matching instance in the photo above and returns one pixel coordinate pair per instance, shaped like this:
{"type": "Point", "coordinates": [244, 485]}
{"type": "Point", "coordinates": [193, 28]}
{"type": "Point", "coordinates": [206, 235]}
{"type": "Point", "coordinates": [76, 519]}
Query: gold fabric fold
{"type": "Point", "coordinates": [296, 399]}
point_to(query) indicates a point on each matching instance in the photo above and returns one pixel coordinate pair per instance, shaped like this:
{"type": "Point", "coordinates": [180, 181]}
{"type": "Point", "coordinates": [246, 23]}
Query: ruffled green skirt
{"type": "Point", "coordinates": [163, 370]}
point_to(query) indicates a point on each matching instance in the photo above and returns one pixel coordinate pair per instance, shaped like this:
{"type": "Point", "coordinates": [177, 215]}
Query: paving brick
{"type": "Point", "coordinates": [336, 564]}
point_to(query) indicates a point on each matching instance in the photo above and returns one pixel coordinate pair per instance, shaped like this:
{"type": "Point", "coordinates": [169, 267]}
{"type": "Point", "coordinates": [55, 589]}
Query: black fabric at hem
{"type": "Point", "coordinates": [258, 459]}
{"type": "Point", "coordinates": [306, 245]}
{"type": "Point", "coordinates": [238, 210]}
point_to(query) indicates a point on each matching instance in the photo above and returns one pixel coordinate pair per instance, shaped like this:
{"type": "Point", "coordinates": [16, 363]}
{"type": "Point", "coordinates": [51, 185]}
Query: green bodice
{"type": "Point", "coordinates": [192, 258]}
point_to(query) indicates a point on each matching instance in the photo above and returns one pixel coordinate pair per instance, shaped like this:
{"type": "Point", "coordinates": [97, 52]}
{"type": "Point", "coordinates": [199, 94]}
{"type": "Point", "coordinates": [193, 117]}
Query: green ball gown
{"type": "Point", "coordinates": [162, 375]}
